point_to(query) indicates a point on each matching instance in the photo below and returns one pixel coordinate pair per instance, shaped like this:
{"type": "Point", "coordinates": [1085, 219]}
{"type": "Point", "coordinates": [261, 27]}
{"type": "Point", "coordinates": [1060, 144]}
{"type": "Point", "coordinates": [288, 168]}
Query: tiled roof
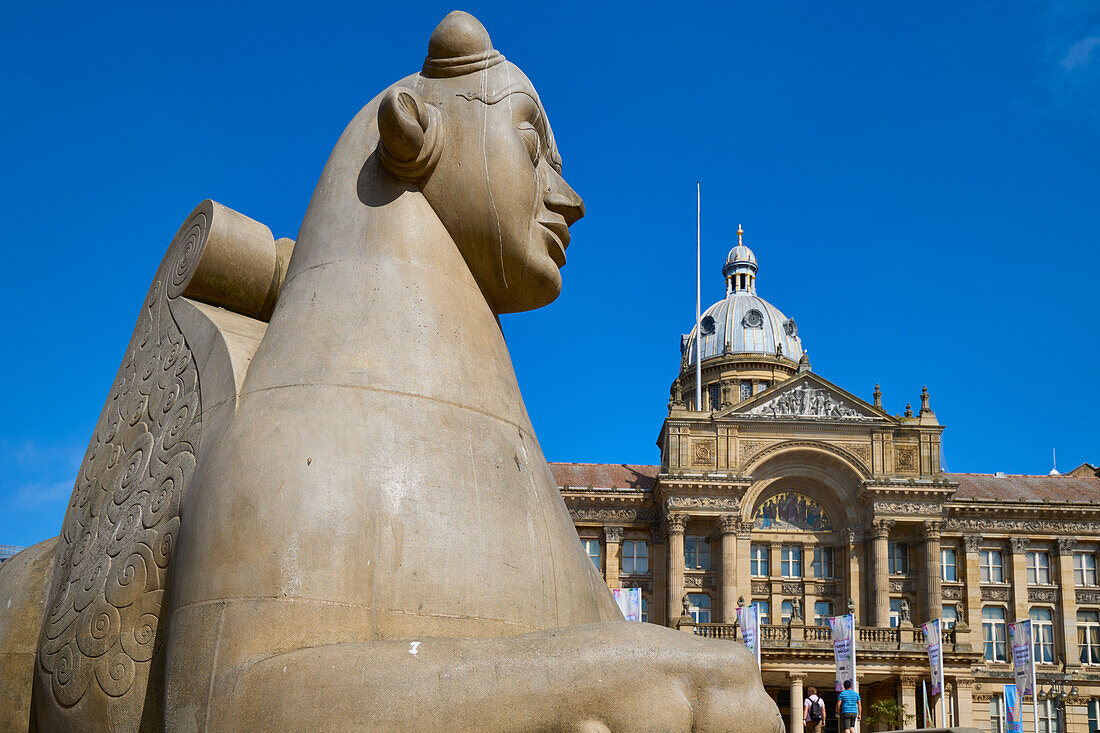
{"type": "Point", "coordinates": [604, 475]}
{"type": "Point", "coordinates": [1015, 487]}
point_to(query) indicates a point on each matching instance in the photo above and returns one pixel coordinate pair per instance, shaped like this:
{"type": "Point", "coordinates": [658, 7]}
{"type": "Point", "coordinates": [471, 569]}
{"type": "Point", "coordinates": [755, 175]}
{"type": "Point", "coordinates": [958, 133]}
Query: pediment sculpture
{"type": "Point", "coordinates": [314, 499]}
{"type": "Point", "coordinates": [804, 401]}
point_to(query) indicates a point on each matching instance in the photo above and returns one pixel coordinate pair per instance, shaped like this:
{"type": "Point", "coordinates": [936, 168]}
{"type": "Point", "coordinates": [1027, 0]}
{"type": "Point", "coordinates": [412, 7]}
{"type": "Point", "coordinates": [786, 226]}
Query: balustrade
{"type": "Point", "coordinates": [869, 637]}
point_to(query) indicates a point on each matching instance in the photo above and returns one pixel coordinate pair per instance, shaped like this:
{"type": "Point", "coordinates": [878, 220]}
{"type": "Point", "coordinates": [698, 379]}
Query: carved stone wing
{"type": "Point", "coordinates": [99, 644]}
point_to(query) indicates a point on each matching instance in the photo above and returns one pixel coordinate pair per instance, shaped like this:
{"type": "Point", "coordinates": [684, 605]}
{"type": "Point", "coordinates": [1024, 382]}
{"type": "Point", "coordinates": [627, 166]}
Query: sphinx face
{"type": "Point", "coordinates": [498, 186]}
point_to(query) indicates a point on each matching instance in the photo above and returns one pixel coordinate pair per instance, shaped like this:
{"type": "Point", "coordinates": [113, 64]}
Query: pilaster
{"type": "Point", "coordinates": [1019, 577]}
{"type": "Point", "coordinates": [674, 528]}
{"type": "Point", "coordinates": [1067, 588]}
{"type": "Point", "coordinates": [613, 537]}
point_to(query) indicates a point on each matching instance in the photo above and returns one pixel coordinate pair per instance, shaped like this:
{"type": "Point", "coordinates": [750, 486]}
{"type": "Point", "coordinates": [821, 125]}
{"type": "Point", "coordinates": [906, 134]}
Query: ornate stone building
{"type": "Point", "coordinates": [783, 489]}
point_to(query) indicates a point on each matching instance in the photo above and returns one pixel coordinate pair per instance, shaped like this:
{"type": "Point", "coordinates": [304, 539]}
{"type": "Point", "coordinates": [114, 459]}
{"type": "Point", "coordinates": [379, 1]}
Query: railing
{"type": "Point", "coordinates": [868, 637]}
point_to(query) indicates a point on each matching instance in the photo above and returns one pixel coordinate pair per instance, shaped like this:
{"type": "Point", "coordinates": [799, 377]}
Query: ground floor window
{"type": "Point", "coordinates": [699, 607]}
{"type": "Point", "coordinates": [1048, 723]}
{"type": "Point", "coordinates": [996, 713]}
{"type": "Point", "coordinates": [1094, 713]}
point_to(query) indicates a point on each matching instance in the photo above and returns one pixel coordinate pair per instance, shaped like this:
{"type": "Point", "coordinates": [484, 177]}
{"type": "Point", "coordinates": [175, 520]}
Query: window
{"type": "Point", "coordinates": [992, 566]}
{"type": "Point", "coordinates": [823, 562]}
{"type": "Point", "coordinates": [895, 612]}
{"type": "Point", "coordinates": [1088, 636]}
{"type": "Point", "coordinates": [696, 552]}
{"type": "Point", "coordinates": [791, 561]}
{"type": "Point", "coordinates": [635, 556]}
{"type": "Point", "coordinates": [592, 547]}
{"type": "Point", "coordinates": [761, 386]}
{"type": "Point", "coordinates": [645, 609]}
{"type": "Point", "coordinates": [1042, 634]}
{"type": "Point", "coordinates": [996, 714]}
{"type": "Point", "coordinates": [699, 607]}
{"type": "Point", "coordinates": [1094, 713]}
{"type": "Point", "coordinates": [1084, 568]}
{"type": "Point", "coordinates": [1038, 568]}
{"type": "Point", "coordinates": [948, 564]}
{"type": "Point", "coordinates": [765, 611]}
{"type": "Point", "coordinates": [786, 608]}
{"type": "Point", "coordinates": [993, 631]}
{"type": "Point", "coordinates": [746, 390]}
{"type": "Point", "coordinates": [714, 392]}
{"type": "Point", "coordinates": [899, 558]}
{"type": "Point", "coordinates": [822, 611]}
{"type": "Point", "coordinates": [950, 616]}
{"type": "Point", "coordinates": [758, 561]}
{"type": "Point", "coordinates": [1047, 722]}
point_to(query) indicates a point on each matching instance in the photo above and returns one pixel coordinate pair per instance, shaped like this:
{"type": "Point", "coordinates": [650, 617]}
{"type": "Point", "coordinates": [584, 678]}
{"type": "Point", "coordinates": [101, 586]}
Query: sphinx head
{"type": "Point", "coordinates": [472, 135]}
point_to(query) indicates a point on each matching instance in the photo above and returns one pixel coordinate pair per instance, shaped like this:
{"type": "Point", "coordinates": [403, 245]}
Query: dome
{"type": "Point", "coordinates": [743, 322]}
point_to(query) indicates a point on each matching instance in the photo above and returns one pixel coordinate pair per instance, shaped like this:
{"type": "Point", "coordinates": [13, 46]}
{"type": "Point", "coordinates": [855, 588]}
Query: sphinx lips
{"type": "Point", "coordinates": [559, 232]}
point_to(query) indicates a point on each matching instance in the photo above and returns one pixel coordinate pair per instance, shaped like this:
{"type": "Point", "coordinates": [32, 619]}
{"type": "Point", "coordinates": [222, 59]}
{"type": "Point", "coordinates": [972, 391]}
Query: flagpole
{"type": "Point", "coordinates": [698, 298]}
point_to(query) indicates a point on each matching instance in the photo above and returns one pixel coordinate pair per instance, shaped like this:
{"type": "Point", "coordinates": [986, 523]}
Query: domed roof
{"type": "Point", "coordinates": [743, 322]}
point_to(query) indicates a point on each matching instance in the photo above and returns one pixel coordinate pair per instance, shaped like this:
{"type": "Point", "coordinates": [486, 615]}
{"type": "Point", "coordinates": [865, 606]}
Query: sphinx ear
{"type": "Point", "coordinates": [411, 134]}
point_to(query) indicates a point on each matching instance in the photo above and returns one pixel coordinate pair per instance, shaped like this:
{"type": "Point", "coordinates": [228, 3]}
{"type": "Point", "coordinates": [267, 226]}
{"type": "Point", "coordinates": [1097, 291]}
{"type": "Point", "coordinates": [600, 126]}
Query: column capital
{"type": "Point", "coordinates": [674, 523]}
{"type": "Point", "coordinates": [972, 542]}
{"type": "Point", "coordinates": [931, 530]}
{"type": "Point", "coordinates": [1067, 545]}
{"type": "Point", "coordinates": [613, 533]}
{"type": "Point", "coordinates": [729, 523]}
{"type": "Point", "coordinates": [880, 528]}
{"type": "Point", "coordinates": [909, 680]}
{"type": "Point", "coordinates": [964, 683]}
{"type": "Point", "coordinates": [744, 530]}
{"type": "Point", "coordinates": [1020, 545]}
{"type": "Point", "coordinates": [796, 676]}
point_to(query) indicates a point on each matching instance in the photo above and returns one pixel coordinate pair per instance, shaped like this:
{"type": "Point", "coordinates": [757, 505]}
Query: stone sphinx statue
{"type": "Point", "coordinates": [314, 498]}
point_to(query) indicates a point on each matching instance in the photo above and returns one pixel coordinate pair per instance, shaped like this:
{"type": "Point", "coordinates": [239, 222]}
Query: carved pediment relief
{"type": "Point", "coordinates": [807, 398]}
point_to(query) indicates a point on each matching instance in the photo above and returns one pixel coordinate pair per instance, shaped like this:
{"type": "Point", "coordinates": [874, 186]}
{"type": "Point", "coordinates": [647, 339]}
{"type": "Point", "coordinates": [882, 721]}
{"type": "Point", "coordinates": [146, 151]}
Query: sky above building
{"type": "Point", "coordinates": [920, 183]}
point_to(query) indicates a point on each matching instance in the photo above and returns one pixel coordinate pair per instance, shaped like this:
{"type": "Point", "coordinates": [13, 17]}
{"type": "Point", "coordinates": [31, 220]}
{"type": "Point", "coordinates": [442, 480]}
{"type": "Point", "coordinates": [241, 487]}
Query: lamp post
{"type": "Point", "coordinates": [1058, 696]}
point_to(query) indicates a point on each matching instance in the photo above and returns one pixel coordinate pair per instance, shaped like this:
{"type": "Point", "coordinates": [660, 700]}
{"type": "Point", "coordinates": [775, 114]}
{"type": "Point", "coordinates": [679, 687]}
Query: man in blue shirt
{"type": "Point", "coordinates": [848, 708]}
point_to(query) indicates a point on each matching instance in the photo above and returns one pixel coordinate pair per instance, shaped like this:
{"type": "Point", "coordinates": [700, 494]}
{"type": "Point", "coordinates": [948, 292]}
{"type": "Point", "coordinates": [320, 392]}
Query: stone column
{"type": "Point", "coordinates": [1067, 589]}
{"type": "Point", "coordinates": [744, 561]}
{"type": "Point", "coordinates": [853, 581]}
{"type": "Point", "coordinates": [933, 580]}
{"type": "Point", "coordinates": [907, 697]}
{"type": "Point", "coordinates": [880, 608]}
{"type": "Point", "coordinates": [972, 544]}
{"type": "Point", "coordinates": [674, 526]}
{"type": "Point", "coordinates": [796, 703]}
{"type": "Point", "coordinates": [1019, 577]}
{"type": "Point", "coordinates": [728, 525]}
{"type": "Point", "coordinates": [658, 614]}
{"type": "Point", "coordinates": [613, 537]}
{"type": "Point", "coordinates": [964, 702]}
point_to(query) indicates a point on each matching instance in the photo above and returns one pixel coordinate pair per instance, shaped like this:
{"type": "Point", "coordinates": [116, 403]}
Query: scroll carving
{"type": "Point", "coordinates": [760, 588]}
{"type": "Point", "coordinates": [951, 593]}
{"type": "Point", "coordinates": [1042, 595]}
{"type": "Point", "coordinates": [640, 514]}
{"type": "Point", "coordinates": [702, 452]}
{"type": "Point", "coordinates": [994, 594]}
{"type": "Point", "coordinates": [1088, 597]}
{"type": "Point", "coordinates": [1027, 526]}
{"type": "Point", "coordinates": [100, 634]}
{"type": "Point", "coordinates": [906, 459]}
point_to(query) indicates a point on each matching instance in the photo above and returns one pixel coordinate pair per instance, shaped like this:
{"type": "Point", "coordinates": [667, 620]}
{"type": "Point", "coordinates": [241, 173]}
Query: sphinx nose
{"type": "Point", "coordinates": [562, 199]}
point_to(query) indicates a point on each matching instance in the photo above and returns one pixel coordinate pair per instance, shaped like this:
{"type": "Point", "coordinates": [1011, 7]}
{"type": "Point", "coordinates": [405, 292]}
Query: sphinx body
{"type": "Point", "coordinates": [349, 522]}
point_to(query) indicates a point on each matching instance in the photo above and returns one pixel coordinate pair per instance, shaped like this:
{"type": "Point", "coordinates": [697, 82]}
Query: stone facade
{"type": "Point", "coordinates": [788, 491]}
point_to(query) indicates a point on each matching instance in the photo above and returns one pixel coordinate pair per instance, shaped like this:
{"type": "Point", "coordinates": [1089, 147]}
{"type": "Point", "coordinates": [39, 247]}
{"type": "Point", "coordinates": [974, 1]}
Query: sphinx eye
{"type": "Point", "coordinates": [531, 140]}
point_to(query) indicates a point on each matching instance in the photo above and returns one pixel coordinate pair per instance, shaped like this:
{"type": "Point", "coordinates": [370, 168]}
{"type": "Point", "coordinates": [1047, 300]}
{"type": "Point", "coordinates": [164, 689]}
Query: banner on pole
{"type": "Point", "coordinates": [844, 649]}
{"type": "Point", "coordinates": [927, 710]}
{"type": "Point", "coordinates": [1023, 663]}
{"type": "Point", "coordinates": [630, 602]}
{"type": "Point", "coordinates": [1014, 710]}
{"type": "Point", "coordinates": [749, 618]}
{"type": "Point", "coordinates": [933, 640]}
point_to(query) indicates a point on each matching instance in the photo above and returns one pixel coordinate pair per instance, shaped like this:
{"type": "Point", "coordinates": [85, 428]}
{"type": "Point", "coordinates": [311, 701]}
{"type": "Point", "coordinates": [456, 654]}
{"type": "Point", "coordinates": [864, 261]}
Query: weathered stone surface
{"type": "Point", "coordinates": [24, 580]}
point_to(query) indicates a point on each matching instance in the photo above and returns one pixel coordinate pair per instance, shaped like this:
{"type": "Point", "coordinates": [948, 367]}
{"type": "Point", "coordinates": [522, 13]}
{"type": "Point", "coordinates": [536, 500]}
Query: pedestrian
{"type": "Point", "coordinates": [813, 712]}
{"type": "Point", "coordinates": [848, 708]}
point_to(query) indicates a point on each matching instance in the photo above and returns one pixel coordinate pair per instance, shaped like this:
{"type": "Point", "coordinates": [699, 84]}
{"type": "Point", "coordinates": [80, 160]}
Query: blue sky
{"type": "Point", "coordinates": [920, 183]}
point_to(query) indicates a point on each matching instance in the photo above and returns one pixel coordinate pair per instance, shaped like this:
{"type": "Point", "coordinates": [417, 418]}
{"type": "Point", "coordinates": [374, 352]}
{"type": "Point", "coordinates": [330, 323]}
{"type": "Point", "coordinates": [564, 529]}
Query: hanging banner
{"type": "Point", "coordinates": [1014, 710]}
{"type": "Point", "coordinates": [749, 618]}
{"type": "Point", "coordinates": [1023, 663]}
{"type": "Point", "coordinates": [933, 640]}
{"type": "Point", "coordinates": [844, 649]}
{"type": "Point", "coordinates": [927, 710]}
{"type": "Point", "coordinates": [630, 602]}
